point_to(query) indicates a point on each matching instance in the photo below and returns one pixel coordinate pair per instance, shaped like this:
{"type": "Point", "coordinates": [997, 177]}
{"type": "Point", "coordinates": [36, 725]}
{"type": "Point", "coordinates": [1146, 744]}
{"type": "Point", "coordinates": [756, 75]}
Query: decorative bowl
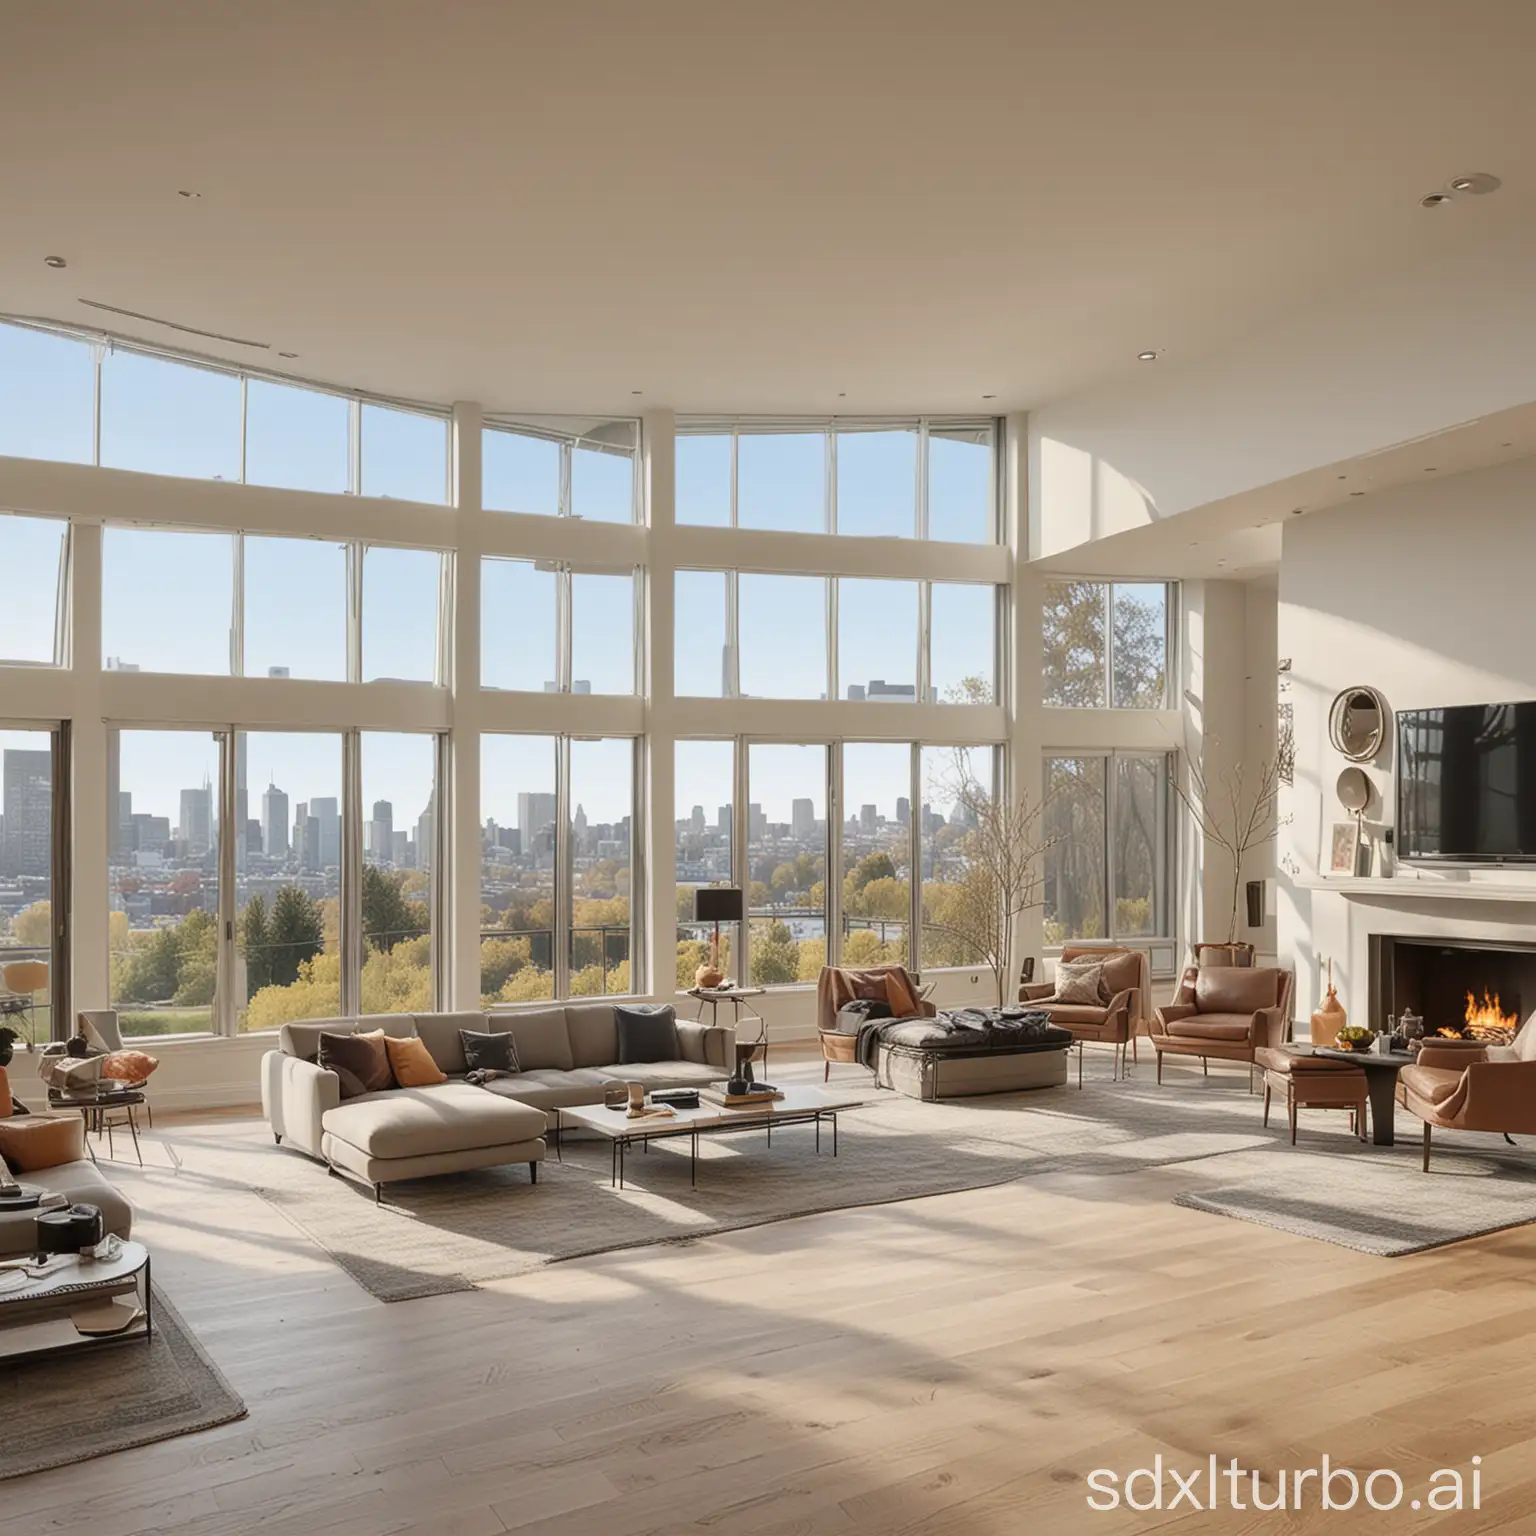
{"type": "Point", "coordinates": [1354, 1037]}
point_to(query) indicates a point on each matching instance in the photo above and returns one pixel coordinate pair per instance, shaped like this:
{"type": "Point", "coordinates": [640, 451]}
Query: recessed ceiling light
{"type": "Point", "coordinates": [1343, 477]}
{"type": "Point", "coordinates": [1434, 200]}
{"type": "Point", "coordinates": [1478, 183]}
{"type": "Point", "coordinates": [1506, 445]}
{"type": "Point", "coordinates": [1429, 469]}
{"type": "Point", "coordinates": [989, 397]}
{"type": "Point", "coordinates": [1297, 511]}
{"type": "Point", "coordinates": [1357, 493]}
{"type": "Point", "coordinates": [1148, 356]}
{"type": "Point", "coordinates": [187, 192]}
{"type": "Point", "coordinates": [842, 394]}
{"type": "Point", "coordinates": [54, 261]}
{"type": "Point", "coordinates": [637, 391]}
{"type": "Point", "coordinates": [287, 354]}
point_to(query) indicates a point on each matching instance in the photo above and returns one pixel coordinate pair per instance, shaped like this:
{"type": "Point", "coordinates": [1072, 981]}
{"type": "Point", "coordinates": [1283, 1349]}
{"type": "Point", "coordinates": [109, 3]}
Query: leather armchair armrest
{"type": "Point", "coordinates": [1037, 991]}
{"type": "Point", "coordinates": [1171, 1014]}
{"type": "Point", "coordinates": [1120, 1006]}
{"type": "Point", "coordinates": [1269, 1026]}
{"type": "Point", "coordinates": [711, 1045]}
{"type": "Point", "coordinates": [1495, 1096]}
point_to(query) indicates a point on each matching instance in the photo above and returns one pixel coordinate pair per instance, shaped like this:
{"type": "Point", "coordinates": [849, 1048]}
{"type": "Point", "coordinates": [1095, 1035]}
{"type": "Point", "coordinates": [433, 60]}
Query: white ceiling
{"type": "Point", "coordinates": [866, 206]}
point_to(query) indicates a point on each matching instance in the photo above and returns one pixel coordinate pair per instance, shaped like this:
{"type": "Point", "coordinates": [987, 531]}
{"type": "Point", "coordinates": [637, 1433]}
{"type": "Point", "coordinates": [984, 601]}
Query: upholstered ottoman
{"type": "Point", "coordinates": [414, 1133]}
{"type": "Point", "coordinates": [929, 1072]}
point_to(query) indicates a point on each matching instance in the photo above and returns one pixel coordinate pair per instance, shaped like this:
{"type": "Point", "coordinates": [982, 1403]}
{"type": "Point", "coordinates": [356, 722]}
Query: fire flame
{"type": "Point", "coordinates": [1486, 1020]}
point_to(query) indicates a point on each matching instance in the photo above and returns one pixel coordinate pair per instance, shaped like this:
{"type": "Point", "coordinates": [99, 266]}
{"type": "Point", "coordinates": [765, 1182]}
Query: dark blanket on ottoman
{"type": "Point", "coordinates": [963, 1029]}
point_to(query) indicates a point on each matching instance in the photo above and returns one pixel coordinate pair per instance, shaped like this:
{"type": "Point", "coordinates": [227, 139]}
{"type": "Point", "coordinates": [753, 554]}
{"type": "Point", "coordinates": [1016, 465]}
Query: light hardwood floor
{"type": "Point", "coordinates": [956, 1364]}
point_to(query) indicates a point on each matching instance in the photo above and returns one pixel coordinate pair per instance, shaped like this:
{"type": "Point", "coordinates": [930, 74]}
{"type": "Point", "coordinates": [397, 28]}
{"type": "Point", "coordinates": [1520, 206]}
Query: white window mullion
{"type": "Point", "coordinates": [741, 864]}
{"type": "Point", "coordinates": [563, 872]}
{"type": "Point", "coordinates": [229, 983]}
{"type": "Point", "coordinates": [832, 903]}
{"type": "Point", "coordinates": [351, 902]}
{"type": "Point", "coordinates": [915, 858]}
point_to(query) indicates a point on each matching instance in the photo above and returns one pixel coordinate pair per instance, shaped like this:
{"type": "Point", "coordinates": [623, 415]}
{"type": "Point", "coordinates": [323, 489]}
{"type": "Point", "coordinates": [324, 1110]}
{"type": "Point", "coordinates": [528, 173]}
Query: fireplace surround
{"type": "Point", "coordinates": [1434, 977]}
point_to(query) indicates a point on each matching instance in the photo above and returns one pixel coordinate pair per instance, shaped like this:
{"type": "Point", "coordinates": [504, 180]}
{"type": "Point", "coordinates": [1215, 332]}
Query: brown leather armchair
{"type": "Point", "coordinates": [1225, 1012]}
{"type": "Point", "coordinates": [1117, 1022]}
{"type": "Point", "coordinates": [1460, 1090]}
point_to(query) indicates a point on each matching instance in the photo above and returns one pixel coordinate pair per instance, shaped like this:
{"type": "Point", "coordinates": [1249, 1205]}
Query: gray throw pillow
{"type": "Point", "coordinates": [482, 1052]}
{"type": "Point", "coordinates": [647, 1032]}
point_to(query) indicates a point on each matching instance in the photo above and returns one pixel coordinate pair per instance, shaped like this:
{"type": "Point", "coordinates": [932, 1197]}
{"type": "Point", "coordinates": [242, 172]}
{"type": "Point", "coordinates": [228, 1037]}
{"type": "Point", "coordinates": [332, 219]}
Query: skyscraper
{"type": "Point", "coordinates": [802, 814]}
{"type": "Point", "coordinates": [24, 849]}
{"type": "Point", "coordinates": [196, 827]}
{"type": "Point", "coordinates": [869, 818]}
{"type": "Point", "coordinates": [381, 832]}
{"type": "Point", "coordinates": [306, 837]}
{"type": "Point", "coordinates": [274, 823]}
{"type": "Point", "coordinates": [903, 811]}
{"type": "Point", "coordinates": [534, 813]}
{"type": "Point", "coordinates": [424, 837]}
{"type": "Point", "coordinates": [327, 811]}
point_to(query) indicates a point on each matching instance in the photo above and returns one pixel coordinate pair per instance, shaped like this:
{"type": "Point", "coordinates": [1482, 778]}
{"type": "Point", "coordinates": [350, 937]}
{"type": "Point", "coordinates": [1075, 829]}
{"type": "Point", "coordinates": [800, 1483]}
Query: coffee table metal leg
{"type": "Point", "coordinates": [133, 1128]}
{"type": "Point", "coordinates": [693, 1160]}
{"type": "Point", "coordinates": [149, 1303]}
{"type": "Point", "coordinates": [834, 1133]}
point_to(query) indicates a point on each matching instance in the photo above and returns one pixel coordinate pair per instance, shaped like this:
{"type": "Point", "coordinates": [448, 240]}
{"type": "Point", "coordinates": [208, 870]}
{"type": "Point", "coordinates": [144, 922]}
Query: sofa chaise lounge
{"type": "Point", "coordinates": [567, 1056]}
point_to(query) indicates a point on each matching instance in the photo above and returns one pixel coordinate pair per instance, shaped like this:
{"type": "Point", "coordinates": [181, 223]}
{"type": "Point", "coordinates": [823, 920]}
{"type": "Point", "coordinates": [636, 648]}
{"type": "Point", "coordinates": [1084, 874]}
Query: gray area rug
{"type": "Point", "coordinates": [448, 1234]}
{"type": "Point", "coordinates": [1376, 1199]}
{"type": "Point", "coordinates": [439, 1235]}
{"type": "Point", "coordinates": [68, 1408]}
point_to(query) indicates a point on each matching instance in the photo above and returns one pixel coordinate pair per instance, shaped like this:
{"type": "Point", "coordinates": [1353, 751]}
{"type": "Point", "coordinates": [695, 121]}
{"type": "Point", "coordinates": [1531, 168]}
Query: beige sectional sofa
{"type": "Point", "coordinates": [569, 1055]}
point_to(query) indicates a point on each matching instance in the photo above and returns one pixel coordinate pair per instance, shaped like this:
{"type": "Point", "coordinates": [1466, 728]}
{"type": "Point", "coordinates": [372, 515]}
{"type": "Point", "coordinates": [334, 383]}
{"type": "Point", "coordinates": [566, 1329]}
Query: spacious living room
{"type": "Point", "coordinates": [760, 768]}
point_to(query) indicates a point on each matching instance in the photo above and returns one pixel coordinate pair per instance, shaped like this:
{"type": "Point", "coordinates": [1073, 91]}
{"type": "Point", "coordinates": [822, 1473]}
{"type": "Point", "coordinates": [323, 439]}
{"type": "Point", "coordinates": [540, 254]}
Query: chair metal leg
{"type": "Point", "coordinates": [1205, 1065]}
{"type": "Point", "coordinates": [1290, 1104]}
{"type": "Point", "coordinates": [1427, 1131]}
{"type": "Point", "coordinates": [1159, 1066]}
{"type": "Point", "coordinates": [1266, 1103]}
{"type": "Point", "coordinates": [826, 1071]}
{"type": "Point", "coordinates": [533, 1173]}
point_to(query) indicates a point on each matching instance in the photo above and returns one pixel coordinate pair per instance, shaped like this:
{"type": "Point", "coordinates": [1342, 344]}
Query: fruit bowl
{"type": "Point", "coordinates": [1354, 1037]}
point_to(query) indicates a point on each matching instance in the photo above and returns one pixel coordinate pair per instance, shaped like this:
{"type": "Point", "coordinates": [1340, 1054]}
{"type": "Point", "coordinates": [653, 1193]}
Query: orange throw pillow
{"type": "Point", "coordinates": [903, 1004]}
{"type": "Point", "coordinates": [129, 1066]}
{"type": "Point", "coordinates": [32, 1142]}
{"type": "Point", "coordinates": [412, 1063]}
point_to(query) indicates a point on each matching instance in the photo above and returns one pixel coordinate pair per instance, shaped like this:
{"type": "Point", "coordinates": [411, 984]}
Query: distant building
{"type": "Point", "coordinates": [25, 846]}
{"type": "Point", "coordinates": [802, 814]}
{"type": "Point", "coordinates": [195, 831]}
{"type": "Point", "coordinates": [903, 811]}
{"type": "Point", "coordinates": [327, 811]}
{"type": "Point", "coordinates": [869, 818]}
{"type": "Point", "coordinates": [274, 823]}
{"type": "Point", "coordinates": [535, 812]}
{"type": "Point", "coordinates": [381, 832]}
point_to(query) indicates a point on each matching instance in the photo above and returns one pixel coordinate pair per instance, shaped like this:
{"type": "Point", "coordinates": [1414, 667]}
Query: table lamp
{"type": "Point", "coordinates": [715, 904]}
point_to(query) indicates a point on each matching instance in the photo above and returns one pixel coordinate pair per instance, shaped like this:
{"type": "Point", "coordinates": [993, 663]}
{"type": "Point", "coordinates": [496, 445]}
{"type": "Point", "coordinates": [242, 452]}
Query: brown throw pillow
{"type": "Point", "coordinates": [903, 1004]}
{"type": "Point", "coordinates": [1081, 982]}
{"type": "Point", "coordinates": [30, 1143]}
{"type": "Point", "coordinates": [360, 1061]}
{"type": "Point", "coordinates": [412, 1063]}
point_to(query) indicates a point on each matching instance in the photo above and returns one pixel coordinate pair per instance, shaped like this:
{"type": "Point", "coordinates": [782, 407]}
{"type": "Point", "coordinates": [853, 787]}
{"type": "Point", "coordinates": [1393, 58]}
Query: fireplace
{"type": "Point", "coordinates": [1475, 988]}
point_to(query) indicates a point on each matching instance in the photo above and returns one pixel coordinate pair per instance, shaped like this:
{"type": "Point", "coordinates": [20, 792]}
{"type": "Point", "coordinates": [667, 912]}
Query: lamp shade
{"type": "Point", "coordinates": [717, 904]}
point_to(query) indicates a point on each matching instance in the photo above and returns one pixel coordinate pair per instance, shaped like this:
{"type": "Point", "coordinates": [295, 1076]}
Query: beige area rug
{"type": "Point", "coordinates": [1376, 1199]}
{"type": "Point", "coordinates": [448, 1234]}
{"type": "Point", "coordinates": [67, 1408]}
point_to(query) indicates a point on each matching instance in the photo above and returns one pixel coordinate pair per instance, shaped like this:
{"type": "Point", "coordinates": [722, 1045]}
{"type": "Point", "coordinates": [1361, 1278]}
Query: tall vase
{"type": "Point", "coordinates": [1330, 1018]}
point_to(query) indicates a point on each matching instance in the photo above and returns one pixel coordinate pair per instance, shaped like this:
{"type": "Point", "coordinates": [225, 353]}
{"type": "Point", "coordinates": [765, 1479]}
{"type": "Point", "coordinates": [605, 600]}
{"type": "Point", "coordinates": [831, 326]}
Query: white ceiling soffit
{"type": "Point", "coordinates": [876, 206]}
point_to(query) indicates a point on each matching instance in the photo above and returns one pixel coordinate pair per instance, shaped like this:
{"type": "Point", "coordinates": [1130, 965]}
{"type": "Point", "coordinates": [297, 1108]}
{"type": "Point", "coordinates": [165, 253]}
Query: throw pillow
{"type": "Point", "coordinates": [411, 1062]}
{"type": "Point", "coordinates": [360, 1061]}
{"type": "Point", "coordinates": [903, 1004]}
{"type": "Point", "coordinates": [647, 1032]}
{"type": "Point", "coordinates": [129, 1066]}
{"type": "Point", "coordinates": [30, 1143]}
{"type": "Point", "coordinates": [492, 1053]}
{"type": "Point", "coordinates": [1081, 982]}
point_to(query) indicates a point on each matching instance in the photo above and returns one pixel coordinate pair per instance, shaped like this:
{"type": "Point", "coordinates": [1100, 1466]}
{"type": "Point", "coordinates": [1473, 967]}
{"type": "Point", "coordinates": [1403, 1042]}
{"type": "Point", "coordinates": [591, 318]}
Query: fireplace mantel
{"type": "Point", "coordinates": [1408, 888]}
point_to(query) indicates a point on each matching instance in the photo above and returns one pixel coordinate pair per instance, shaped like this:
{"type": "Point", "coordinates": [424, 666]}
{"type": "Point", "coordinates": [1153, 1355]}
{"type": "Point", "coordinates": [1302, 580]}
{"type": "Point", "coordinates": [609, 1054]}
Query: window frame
{"type": "Point", "coordinates": [737, 427]}
{"type": "Point", "coordinates": [1172, 629]}
{"type": "Point", "coordinates": [225, 1010]}
{"type": "Point", "coordinates": [569, 440]}
{"type": "Point", "coordinates": [1167, 898]}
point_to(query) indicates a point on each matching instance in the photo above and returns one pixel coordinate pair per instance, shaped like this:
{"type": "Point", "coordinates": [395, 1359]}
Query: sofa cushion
{"type": "Point", "coordinates": [80, 1182]}
{"type": "Point", "coordinates": [440, 1032]}
{"type": "Point", "coordinates": [412, 1063]}
{"type": "Point", "coordinates": [359, 1060]}
{"type": "Point", "coordinates": [1073, 1013]}
{"type": "Point", "coordinates": [302, 1039]}
{"type": "Point", "coordinates": [1289, 1059]}
{"type": "Point", "coordinates": [31, 1142]}
{"type": "Point", "coordinates": [594, 1034]}
{"type": "Point", "coordinates": [542, 1037]}
{"type": "Point", "coordinates": [1211, 1026]}
{"type": "Point", "coordinates": [647, 1032]}
{"type": "Point", "coordinates": [1234, 989]}
{"type": "Point", "coordinates": [418, 1122]}
{"type": "Point", "coordinates": [548, 1089]}
{"type": "Point", "coordinates": [666, 1074]}
{"type": "Point", "coordinates": [488, 1053]}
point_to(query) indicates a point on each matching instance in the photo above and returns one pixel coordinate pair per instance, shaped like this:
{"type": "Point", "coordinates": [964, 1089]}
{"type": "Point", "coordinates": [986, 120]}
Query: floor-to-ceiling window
{"type": "Point", "coordinates": [31, 951]}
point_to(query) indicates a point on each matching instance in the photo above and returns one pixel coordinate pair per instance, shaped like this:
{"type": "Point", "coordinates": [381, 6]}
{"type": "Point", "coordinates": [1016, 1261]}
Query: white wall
{"type": "Point", "coordinates": [1424, 594]}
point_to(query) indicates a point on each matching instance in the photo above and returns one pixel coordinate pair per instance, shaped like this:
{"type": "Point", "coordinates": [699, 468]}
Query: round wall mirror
{"type": "Point", "coordinates": [1354, 790]}
{"type": "Point", "coordinates": [1357, 723]}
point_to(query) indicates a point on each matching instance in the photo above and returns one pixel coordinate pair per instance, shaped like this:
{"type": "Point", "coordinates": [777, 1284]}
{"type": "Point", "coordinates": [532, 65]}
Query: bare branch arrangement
{"type": "Point", "coordinates": [1004, 876]}
{"type": "Point", "coordinates": [1235, 814]}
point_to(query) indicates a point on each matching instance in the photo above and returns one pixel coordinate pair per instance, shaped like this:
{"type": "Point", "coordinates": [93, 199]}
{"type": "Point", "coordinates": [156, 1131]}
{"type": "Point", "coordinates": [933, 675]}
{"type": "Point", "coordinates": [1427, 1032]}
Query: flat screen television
{"type": "Point", "coordinates": [1466, 784]}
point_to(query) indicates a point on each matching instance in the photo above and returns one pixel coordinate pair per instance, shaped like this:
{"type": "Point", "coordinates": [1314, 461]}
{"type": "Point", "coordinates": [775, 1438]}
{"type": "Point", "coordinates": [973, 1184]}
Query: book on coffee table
{"type": "Point", "coordinates": [739, 1100]}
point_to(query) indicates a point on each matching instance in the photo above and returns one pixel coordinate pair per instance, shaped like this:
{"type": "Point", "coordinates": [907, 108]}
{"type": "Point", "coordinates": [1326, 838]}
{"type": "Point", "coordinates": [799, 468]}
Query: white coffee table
{"type": "Point", "coordinates": [35, 1315]}
{"type": "Point", "coordinates": [799, 1106]}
